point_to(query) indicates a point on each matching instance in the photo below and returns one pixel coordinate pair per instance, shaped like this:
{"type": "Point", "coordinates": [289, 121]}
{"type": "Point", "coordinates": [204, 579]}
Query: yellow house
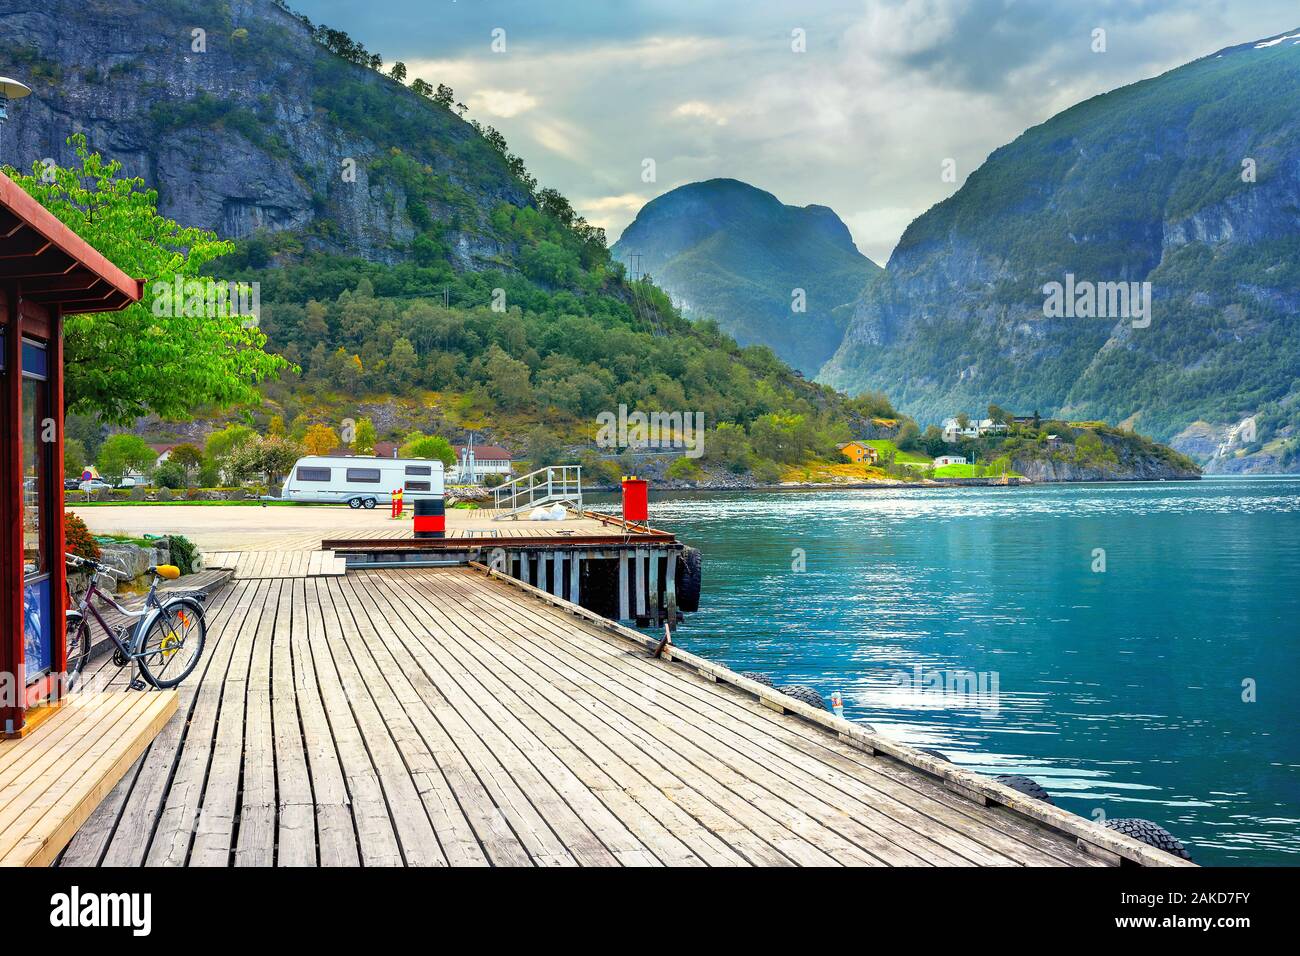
{"type": "Point", "coordinates": [859, 453]}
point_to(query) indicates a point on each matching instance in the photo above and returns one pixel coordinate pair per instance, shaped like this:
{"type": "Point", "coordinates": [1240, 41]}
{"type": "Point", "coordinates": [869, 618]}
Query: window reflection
{"type": "Point", "coordinates": [36, 462]}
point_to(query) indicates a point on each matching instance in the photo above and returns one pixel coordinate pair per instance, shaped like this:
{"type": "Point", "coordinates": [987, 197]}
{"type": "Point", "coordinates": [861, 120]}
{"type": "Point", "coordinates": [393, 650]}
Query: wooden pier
{"type": "Point", "coordinates": [626, 572]}
{"type": "Point", "coordinates": [452, 716]}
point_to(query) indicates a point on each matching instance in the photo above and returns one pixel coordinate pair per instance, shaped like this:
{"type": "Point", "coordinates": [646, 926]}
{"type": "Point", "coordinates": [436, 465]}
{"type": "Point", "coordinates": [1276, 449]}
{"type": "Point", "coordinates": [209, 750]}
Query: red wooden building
{"type": "Point", "coordinates": [46, 270]}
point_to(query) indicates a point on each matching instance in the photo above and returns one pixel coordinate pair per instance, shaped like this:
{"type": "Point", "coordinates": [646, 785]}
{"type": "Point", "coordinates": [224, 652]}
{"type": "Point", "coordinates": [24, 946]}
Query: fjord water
{"type": "Point", "coordinates": [1120, 690]}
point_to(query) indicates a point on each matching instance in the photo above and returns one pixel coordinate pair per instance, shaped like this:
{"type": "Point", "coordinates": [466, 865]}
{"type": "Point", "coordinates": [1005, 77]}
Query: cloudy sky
{"type": "Point", "coordinates": [861, 119]}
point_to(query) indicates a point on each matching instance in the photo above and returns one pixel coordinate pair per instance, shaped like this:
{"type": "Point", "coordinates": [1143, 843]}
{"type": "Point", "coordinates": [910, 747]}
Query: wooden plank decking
{"type": "Point", "coordinates": [53, 779]}
{"type": "Point", "coordinates": [277, 564]}
{"type": "Point", "coordinates": [441, 717]}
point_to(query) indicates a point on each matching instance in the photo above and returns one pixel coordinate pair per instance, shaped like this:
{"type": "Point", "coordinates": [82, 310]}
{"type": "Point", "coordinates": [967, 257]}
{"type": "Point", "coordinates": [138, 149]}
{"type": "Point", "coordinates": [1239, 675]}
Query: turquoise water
{"type": "Point", "coordinates": [1120, 690]}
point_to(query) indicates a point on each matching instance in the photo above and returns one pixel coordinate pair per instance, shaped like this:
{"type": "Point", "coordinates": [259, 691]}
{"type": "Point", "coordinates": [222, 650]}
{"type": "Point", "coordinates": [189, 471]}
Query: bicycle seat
{"type": "Point", "coordinates": [168, 571]}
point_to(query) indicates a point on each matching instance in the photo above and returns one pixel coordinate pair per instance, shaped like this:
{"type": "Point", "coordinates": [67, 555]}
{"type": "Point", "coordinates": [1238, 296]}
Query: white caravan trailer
{"type": "Point", "coordinates": [362, 481]}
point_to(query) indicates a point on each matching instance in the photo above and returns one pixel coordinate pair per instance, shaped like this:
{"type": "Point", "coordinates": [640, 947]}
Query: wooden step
{"type": "Point", "coordinates": [52, 779]}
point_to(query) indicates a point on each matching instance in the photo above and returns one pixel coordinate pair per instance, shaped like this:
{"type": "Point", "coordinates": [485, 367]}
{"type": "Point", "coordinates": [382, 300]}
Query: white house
{"type": "Point", "coordinates": [949, 460]}
{"type": "Point", "coordinates": [487, 460]}
{"type": "Point", "coordinates": [974, 428]}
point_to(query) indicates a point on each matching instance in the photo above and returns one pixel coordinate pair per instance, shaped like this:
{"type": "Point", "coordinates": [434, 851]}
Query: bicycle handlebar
{"type": "Point", "coordinates": [76, 561]}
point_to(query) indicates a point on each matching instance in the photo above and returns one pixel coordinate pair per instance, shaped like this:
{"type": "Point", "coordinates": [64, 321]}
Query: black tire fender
{"type": "Point", "coordinates": [804, 694]}
{"type": "Point", "coordinates": [1027, 785]}
{"type": "Point", "coordinates": [689, 577]}
{"type": "Point", "coordinates": [1152, 834]}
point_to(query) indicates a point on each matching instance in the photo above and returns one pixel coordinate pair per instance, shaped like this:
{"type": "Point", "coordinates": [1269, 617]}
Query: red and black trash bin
{"type": "Point", "coordinates": [430, 518]}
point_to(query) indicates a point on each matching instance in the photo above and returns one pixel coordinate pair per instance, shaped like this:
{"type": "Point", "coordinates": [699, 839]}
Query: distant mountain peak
{"type": "Point", "coordinates": [729, 251]}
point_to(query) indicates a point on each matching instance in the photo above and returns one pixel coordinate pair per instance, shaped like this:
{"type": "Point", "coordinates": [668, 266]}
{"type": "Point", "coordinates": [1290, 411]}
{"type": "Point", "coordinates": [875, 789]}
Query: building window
{"type": "Point", "coordinates": [369, 476]}
{"type": "Point", "coordinates": [37, 452]}
{"type": "Point", "coordinates": [419, 470]}
{"type": "Point", "coordinates": [313, 474]}
{"type": "Point", "coordinates": [419, 486]}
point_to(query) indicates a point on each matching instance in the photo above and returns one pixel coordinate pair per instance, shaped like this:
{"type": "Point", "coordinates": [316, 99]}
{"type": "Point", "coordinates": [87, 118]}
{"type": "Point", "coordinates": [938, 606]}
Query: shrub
{"type": "Point", "coordinates": [183, 552]}
{"type": "Point", "coordinates": [169, 475]}
{"type": "Point", "coordinates": [492, 481]}
{"type": "Point", "coordinates": [164, 494]}
{"type": "Point", "coordinates": [767, 471]}
{"type": "Point", "coordinates": [684, 469]}
{"type": "Point", "coordinates": [78, 539]}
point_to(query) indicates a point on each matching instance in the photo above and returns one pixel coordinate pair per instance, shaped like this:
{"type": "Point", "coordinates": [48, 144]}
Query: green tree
{"type": "Point", "coordinates": [508, 379]}
{"type": "Point", "coordinates": [224, 441]}
{"type": "Point", "coordinates": [543, 448]}
{"type": "Point", "coordinates": [124, 453]}
{"type": "Point", "coordinates": [363, 442]}
{"type": "Point", "coordinates": [187, 456]}
{"type": "Point", "coordinates": [429, 447]}
{"type": "Point", "coordinates": [170, 475]}
{"type": "Point", "coordinates": [781, 437]}
{"type": "Point", "coordinates": [74, 458]}
{"type": "Point", "coordinates": [398, 71]}
{"type": "Point", "coordinates": [151, 356]}
{"type": "Point", "coordinates": [728, 446]}
{"type": "Point", "coordinates": [276, 456]}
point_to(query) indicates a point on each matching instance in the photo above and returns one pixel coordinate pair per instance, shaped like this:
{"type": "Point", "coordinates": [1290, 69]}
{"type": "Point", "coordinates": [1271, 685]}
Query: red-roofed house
{"type": "Point", "coordinates": [488, 460]}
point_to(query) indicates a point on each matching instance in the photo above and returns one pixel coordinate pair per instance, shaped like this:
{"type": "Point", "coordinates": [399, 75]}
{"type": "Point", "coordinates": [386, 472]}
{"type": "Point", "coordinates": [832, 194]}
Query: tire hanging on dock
{"type": "Point", "coordinates": [1152, 834]}
{"type": "Point", "coordinates": [804, 694]}
{"type": "Point", "coordinates": [689, 576]}
{"type": "Point", "coordinates": [1026, 785]}
{"type": "Point", "coordinates": [758, 678]}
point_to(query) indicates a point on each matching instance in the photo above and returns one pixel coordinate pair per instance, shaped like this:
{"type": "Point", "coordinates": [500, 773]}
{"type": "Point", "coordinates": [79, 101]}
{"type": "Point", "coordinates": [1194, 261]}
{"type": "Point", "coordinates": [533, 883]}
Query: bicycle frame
{"type": "Point", "coordinates": [142, 616]}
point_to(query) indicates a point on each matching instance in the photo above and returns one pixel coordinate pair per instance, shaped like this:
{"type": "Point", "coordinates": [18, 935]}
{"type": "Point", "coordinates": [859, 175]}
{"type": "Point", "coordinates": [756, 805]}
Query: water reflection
{"type": "Point", "coordinates": [1121, 690]}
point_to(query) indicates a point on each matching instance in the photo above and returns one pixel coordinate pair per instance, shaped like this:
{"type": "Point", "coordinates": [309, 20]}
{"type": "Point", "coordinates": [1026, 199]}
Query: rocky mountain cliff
{"type": "Point", "coordinates": [251, 126]}
{"type": "Point", "coordinates": [1189, 181]}
{"type": "Point", "coordinates": [726, 250]}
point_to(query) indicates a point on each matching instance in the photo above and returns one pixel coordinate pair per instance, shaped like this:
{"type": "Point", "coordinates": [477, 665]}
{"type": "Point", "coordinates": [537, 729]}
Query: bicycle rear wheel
{"type": "Point", "coordinates": [77, 631]}
{"type": "Point", "coordinates": [172, 645]}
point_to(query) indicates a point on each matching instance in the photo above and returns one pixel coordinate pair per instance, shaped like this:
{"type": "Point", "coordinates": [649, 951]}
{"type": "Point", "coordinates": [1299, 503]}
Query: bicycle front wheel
{"type": "Point", "coordinates": [172, 645]}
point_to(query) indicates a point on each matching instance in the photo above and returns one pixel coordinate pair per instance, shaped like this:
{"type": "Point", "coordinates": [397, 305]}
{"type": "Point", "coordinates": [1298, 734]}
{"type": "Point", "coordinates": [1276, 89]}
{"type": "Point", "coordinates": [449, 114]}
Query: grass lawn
{"type": "Point", "coordinates": [884, 446]}
{"type": "Point", "coordinates": [967, 471]}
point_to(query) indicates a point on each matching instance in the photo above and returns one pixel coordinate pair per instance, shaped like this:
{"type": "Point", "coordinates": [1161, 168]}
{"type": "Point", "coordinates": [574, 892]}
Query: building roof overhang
{"type": "Point", "coordinates": [52, 265]}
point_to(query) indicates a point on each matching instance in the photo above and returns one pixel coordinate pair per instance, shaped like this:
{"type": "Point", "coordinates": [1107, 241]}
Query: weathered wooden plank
{"type": "Point", "coordinates": [377, 839]}
{"type": "Point", "coordinates": [336, 834]}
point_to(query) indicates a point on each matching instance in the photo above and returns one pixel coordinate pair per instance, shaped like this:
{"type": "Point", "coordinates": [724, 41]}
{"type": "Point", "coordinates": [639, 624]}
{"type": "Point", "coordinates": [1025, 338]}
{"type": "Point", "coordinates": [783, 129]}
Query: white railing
{"type": "Point", "coordinates": [557, 483]}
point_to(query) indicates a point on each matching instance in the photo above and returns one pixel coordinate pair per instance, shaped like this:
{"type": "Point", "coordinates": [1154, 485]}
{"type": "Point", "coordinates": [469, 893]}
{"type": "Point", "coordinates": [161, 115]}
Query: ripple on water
{"type": "Point", "coordinates": [1120, 691]}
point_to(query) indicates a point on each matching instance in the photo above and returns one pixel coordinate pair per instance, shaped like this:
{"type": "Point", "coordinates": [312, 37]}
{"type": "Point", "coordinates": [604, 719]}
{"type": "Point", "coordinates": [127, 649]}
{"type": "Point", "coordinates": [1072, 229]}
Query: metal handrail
{"type": "Point", "coordinates": [554, 483]}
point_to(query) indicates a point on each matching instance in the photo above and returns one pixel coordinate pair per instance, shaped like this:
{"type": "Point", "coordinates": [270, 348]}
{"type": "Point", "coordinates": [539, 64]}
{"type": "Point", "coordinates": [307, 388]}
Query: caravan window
{"type": "Point", "coordinates": [419, 470]}
{"type": "Point", "coordinates": [313, 474]}
{"type": "Point", "coordinates": [366, 475]}
{"type": "Point", "coordinates": [418, 486]}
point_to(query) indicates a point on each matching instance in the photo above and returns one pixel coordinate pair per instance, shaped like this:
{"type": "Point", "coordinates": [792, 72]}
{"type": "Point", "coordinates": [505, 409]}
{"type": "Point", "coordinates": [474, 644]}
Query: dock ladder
{"type": "Point", "coordinates": [554, 484]}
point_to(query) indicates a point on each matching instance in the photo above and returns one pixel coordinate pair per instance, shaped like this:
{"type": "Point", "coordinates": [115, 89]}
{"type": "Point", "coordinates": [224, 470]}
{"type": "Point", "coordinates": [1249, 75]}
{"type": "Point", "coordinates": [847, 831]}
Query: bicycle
{"type": "Point", "coordinates": [165, 642]}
